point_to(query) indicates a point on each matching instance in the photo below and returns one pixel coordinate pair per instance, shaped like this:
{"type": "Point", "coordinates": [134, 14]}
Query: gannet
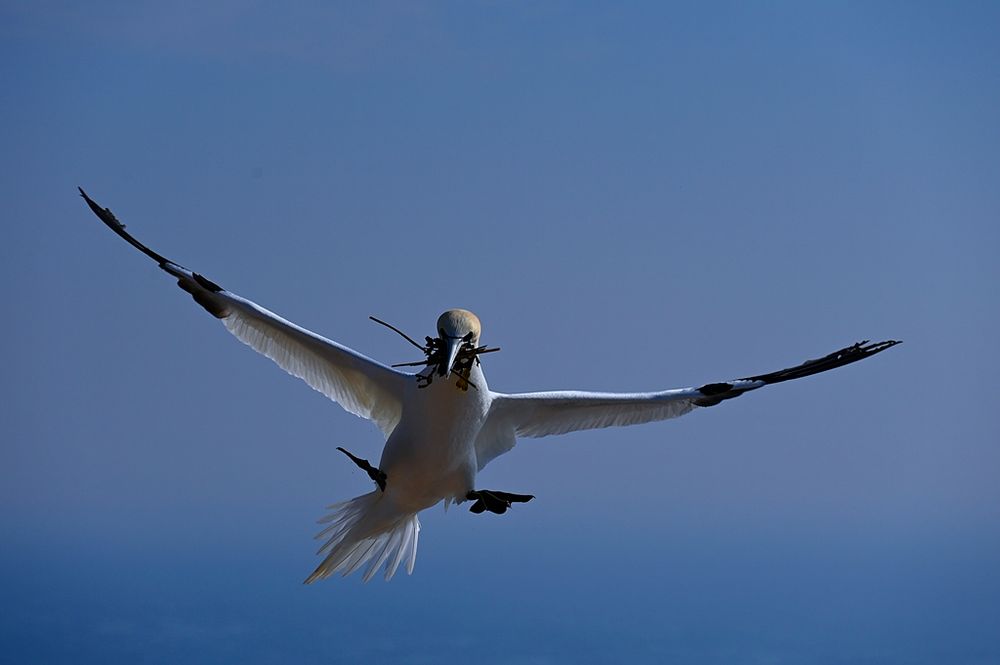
{"type": "Point", "coordinates": [442, 424]}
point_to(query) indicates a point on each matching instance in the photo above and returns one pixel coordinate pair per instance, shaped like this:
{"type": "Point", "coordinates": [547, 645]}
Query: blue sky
{"type": "Point", "coordinates": [631, 197]}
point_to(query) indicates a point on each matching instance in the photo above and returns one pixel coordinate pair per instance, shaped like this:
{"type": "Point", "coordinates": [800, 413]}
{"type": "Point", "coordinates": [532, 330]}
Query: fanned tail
{"type": "Point", "coordinates": [366, 529]}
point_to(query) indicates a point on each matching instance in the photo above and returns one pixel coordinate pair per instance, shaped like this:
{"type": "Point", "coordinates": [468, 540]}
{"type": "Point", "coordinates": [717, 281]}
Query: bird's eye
{"type": "Point", "coordinates": [468, 337]}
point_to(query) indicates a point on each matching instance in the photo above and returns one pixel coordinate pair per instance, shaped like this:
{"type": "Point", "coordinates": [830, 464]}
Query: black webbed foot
{"type": "Point", "coordinates": [375, 474]}
{"type": "Point", "coordinates": [494, 501]}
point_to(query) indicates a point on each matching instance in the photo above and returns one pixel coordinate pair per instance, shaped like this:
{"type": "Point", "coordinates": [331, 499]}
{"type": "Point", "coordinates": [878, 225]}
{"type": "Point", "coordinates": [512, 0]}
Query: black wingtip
{"type": "Point", "coordinates": [846, 356]}
{"type": "Point", "coordinates": [714, 393]}
{"type": "Point", "coordinates": [200, 287]}
{"type": "Point", "coordinates": [109, 219]}
{"type": "Point", "coordinates": [104, 213]}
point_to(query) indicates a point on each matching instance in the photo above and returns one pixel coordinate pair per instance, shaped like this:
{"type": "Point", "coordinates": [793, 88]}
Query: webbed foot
{"type": "Point", "coordinates": [494, 501]}
{"type": "Point", "coordinates": [375, 474]}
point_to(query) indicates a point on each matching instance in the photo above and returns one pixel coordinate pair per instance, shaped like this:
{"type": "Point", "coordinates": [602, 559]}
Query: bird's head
{"type": "Point", "coordinates": [455, 349]}
{"type": "Point", "coordinates": [456, 328]}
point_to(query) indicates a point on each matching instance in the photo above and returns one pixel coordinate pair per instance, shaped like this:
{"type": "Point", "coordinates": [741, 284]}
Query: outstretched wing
{"type": "Point", "coordinates": [361, 385]}
{"type": "Point", "coordinates": [542, 414]}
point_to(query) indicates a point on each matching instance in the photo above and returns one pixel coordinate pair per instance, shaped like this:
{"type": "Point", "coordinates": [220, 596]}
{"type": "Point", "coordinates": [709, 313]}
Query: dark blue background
{"type": "Point", "coordinates": [632, 198]}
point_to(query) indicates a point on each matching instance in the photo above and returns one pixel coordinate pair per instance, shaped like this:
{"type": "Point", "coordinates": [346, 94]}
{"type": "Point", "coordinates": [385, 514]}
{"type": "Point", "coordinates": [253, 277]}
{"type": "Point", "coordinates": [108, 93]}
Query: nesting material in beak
{"type": "Point", "coordinates": [454, 350]}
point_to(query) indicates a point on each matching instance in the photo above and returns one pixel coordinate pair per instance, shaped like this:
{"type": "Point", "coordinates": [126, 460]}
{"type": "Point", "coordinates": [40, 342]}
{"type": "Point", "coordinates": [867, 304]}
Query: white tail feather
{"type": "Point", "coordinates": [365, 529]}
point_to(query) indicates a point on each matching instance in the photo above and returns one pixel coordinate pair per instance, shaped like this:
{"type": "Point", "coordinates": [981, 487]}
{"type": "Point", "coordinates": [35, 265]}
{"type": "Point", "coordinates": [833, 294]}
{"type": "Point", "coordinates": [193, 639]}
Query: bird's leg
{"type": "Point", "coordinates": [494, 501]}
{"type": "Point", "coordinates": [375, 474]}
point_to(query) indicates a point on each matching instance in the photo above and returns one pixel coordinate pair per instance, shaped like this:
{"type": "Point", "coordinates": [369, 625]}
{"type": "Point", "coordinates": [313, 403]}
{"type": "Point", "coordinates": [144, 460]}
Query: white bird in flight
{"type": "Point", "coordinates": [443, 424]}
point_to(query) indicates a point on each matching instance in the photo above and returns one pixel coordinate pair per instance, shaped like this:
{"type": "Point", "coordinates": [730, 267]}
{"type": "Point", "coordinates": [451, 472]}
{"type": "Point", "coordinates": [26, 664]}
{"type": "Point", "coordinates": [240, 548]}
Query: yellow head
{"type": "Point", "coordinates": [456, 327]}
{"type": "Point", "coordinates": [459, 324]}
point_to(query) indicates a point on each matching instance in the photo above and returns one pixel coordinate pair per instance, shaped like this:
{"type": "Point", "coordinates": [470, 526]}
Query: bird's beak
{"type": "Point", "coordinates": [454, 345]}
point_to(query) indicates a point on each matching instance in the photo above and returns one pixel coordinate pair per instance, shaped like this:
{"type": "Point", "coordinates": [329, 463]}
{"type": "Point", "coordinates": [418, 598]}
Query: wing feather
{"type": "Point", "coordinates": [361, 385]}
{"type": "Point", "coordinates": [549, 413]}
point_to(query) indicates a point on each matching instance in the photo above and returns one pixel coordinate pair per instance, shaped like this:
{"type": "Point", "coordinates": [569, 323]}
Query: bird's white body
{"type": "Point", "coordinates": [431, 455]}
{"type": "Point", "coordinates": [443, 425]}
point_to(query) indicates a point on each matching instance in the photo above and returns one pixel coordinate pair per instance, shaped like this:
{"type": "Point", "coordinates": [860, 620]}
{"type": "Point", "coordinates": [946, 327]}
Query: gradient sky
{"type": "Point", "coordinates": [631, 196]}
